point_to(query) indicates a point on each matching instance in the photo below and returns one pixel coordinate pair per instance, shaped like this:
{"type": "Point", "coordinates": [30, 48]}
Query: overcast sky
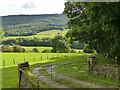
{"type": "Point", "coordinates": [15, 7]}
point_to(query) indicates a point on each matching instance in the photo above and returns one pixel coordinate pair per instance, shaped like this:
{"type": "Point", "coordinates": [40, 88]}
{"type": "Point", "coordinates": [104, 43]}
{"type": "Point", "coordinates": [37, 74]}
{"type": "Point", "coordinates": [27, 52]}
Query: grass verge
{"type": "Point", "coordinates": [79, 70]}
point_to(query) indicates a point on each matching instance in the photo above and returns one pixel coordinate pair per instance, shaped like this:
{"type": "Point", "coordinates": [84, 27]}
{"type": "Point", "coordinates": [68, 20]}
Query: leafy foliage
{"type": "Point", "coordinates": [60, 44]}
{"type": "Point", "coordinates": [35, 50]}
{"type": "Point", "coordinates": [18, 49]}
{"type": "Point", "coordinates": [72, 51]}
{"type": "Point", "coordinates": [88, 50]}
{"type": "Point", "coordinates": [6, 48]}
{"type": "Point", "coordinates": [46, 51]}
{"type": "Point", "coordinates": [28, 41]}
{"type": "Point", "coordinates": [95, 24]}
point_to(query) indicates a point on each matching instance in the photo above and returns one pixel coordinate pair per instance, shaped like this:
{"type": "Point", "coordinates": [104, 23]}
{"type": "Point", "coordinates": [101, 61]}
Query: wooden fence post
{"type": "Point", "coordinates": [89, 67]}
{"type": "Point", "coordinates": [13, 61]}
{"type": "Point", "coordinates": [34, 58]}
{"type": "Point", "coordinates": [3, 62]}
{"type": "Point", "coordinates": [51, 72]}
{"type": "Point", "coordinates": [21, 66]}
{"type": "Point", "coordinates": [47, 56]}
{"type": "Point", "coordinates": [41, 58]}
{"type": "Point", "coordinates": [91, 63]}
{"type": "Point", "coordinates": [24, 59]}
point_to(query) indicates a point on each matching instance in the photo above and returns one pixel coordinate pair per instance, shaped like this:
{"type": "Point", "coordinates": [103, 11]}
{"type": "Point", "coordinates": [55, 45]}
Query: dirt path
{"type": "Point", "coordinates": [92, 85]}
{"type": "Point", "coordinates": [57, 85]}
{"type": "Point", "coordinates": [47, 80]}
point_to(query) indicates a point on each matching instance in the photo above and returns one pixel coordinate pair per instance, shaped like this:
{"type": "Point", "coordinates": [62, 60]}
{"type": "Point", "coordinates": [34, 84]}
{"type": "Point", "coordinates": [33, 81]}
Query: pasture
{"type": "Point", "coordinates": [12, 59]}
{"type": "Point", "coordinates": [77, 69]}
{"type": "Point", "coordinates": [44, 34]}
{"type": "Point", "coordinates": [28, 49]}
{"type": "Point", "coordinates": [51, 33]}
{"type": "Point", "coordinates": [10, 71]}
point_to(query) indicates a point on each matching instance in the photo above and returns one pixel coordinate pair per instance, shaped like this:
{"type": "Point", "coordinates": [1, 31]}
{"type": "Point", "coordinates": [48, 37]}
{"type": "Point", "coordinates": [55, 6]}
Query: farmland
{"type": "Point", "coordinates": [12, 59]}
{"type": "Point", "coordinates": [44, 34]}
{"type": "Point", "coordinates": [10, 68]}
{"type": "Point", "coordinates": [78, 66]}
{"type": "Point", "coordinates": [42, 39]}
{"type": "Point", "coordinates": [28, 49]}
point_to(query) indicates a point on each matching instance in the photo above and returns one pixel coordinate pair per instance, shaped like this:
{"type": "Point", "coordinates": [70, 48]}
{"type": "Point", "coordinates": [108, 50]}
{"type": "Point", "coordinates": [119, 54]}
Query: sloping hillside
{"type": "Point", "coordinates": [26, 25]}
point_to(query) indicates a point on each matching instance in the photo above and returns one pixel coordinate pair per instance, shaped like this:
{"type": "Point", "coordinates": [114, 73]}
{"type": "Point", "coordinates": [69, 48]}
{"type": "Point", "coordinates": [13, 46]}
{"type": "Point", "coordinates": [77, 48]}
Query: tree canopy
{"type": "Point", "coordinates": [60, 44]}
{"type": "Point", "coordinates": [96, 25]}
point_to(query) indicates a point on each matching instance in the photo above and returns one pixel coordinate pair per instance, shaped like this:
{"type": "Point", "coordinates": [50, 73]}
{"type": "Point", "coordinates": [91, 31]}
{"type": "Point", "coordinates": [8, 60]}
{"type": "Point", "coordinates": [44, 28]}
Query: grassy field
{"type": "Point", "coordinates": [42, 48]}
{"type": "Point", "coordinates": [10, 77]}
{"type": "Point", "coordinates": [77, 70]}
{"type": "Point", "coordinates": [44, 34]}
{"type": "Point", "coordinates": [28, 49]}
{"type": "Point", "coordinates": [51, 33]}
{"type": "Point", "coordinates": [10, 72]}
{"type": "Point", "coordinates": [11, 59]}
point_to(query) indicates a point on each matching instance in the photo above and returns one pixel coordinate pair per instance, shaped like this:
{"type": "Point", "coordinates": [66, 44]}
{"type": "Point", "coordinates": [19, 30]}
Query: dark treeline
{"type": "Point", "coordinates": [28, 42]}
{"type": "Point", "coordinates": [38, 42]}
{"type": "Point", "coordinates": [17, 48]}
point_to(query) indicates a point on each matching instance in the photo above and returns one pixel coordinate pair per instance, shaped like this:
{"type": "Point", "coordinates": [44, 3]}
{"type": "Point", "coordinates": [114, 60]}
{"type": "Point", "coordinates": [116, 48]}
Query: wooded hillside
{"type": "Point", "coordinates": [26, 25]}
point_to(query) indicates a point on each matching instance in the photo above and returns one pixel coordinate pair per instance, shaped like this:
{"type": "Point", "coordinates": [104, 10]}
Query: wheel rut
{"type": "Point", "coordinates": [59, 76]}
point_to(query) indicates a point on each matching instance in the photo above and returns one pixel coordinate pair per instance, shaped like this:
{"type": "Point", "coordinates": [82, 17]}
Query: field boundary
{"type": "Point", "coordinates": [38, 57]}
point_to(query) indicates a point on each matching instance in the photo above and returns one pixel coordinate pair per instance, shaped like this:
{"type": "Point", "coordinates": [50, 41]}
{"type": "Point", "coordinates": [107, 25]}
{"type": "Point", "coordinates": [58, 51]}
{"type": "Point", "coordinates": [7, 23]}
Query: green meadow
{"type": "Point", "coordinates": [44, 34]}
{"type": "Point", "coordinates": [28, 49]}
{"type": "Point", "coordinates": [11, 59]}
{"type": "Point", "coordinates": [10, 71]}
{"type": "Point", "coordinates": [77, 69]}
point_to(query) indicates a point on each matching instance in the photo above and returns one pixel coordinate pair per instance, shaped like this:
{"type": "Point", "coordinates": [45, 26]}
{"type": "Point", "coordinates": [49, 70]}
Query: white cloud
{"type": "Point", "coordinates": [10, 7]}
{"type": "Point", "coordinates": [29, 5]}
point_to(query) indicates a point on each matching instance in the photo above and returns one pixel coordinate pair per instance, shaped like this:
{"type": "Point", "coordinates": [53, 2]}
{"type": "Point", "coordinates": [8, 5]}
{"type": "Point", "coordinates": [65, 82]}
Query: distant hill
{"type": "Point", "coordinates": [26, 25]}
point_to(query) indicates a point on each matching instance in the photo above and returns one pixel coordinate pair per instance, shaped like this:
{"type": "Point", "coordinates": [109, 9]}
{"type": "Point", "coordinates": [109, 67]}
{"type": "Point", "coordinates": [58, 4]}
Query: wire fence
{"type": "Point", "coordinates": [35, 59]}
